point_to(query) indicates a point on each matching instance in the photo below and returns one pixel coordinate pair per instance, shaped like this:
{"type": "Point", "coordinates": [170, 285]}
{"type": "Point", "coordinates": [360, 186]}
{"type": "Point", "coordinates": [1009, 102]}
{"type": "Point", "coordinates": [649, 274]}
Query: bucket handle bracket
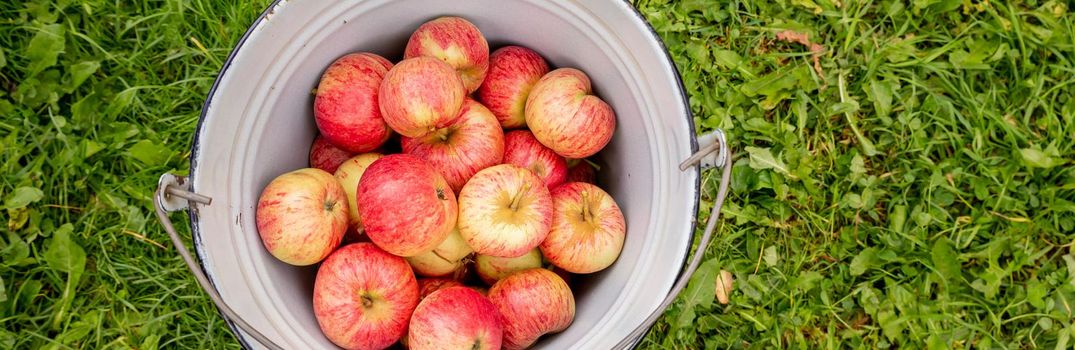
{"type": "Point", "coordinates": [714, 152]}
{"type": "Point", "coordinates": [173, 194]}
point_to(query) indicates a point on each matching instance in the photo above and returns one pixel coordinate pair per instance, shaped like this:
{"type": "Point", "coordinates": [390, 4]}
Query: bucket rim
{"type": "Point", "coordinates": [270, 9]}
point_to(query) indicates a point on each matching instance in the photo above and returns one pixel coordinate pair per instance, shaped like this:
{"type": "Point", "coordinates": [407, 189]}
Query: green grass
{"type": "Point", "coordinates": [918, 192]}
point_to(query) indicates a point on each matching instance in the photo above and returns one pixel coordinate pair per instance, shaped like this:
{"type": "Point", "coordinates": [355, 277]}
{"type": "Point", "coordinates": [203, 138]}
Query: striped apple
{"type": "Point", "coordinates": [533, 302]}
{"type": "Point", "coordinates": [302, 216]}
{"type": "Point", "coordinates": [419, 95]}
{"type": "Point", "coordinates": [406, 206]}
{"type": "Point", "coordinates": [346, 103]}
{"type": "Point", "coordinates": [587, 229]}
{"type": "Point", "coordinates": [504, 211]}
{"type": "Point", "coordinates": [565, 116]}
{"type": "Point", "coordinates": [523, 149]}
{"type": "Point", "coordinates": [325, 156]}
{"type": "Point", "coordinates": [471, 142]}
{"type": "Point", "coordinates": [364, 297]}
{"type": "Point", "coordinates": [513, 71]}
{"type": "Point", "coordinates": [455, 41]}
{"type": "Point", "coordinates": [455, 318]}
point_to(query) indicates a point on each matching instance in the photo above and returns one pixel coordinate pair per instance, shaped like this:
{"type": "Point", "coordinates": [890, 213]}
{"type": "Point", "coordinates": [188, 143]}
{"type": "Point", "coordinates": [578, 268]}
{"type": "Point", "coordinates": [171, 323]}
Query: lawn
{"type": "Point", "coordinates": [903, 171]}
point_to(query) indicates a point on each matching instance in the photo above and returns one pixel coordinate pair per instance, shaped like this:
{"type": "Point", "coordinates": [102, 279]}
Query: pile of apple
{"type": "Point", "coordinates": [498, 185]}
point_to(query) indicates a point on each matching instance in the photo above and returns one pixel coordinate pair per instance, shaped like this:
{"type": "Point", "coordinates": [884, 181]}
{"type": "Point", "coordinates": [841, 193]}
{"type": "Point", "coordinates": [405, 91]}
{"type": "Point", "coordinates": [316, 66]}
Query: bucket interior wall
{"type": "Point", "coordinates": [264, 103]}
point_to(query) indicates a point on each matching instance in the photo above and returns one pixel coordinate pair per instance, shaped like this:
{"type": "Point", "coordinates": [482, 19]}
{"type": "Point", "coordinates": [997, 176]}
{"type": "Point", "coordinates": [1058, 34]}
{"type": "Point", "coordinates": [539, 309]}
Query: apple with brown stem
{"type": "Point", "coordinates": [301, 216]}
{"type": "Point", "coordinates": [471, 142]}
{"type": "Point", "coordinates": [504, 211]}
{"type": "Point", "coordinates": [455, 318]}
{"type": "Point", "coordinates": [364, 297]}
{"type": "Point", "coordinates": [588, 229]}
{"type": "Point", "coordinates": [406, 206]}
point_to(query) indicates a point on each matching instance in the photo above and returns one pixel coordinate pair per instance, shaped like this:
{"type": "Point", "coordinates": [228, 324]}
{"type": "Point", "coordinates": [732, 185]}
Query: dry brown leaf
{"type": "Point", "coordinates": [816, 49]}
{"type": "Point", "coordinates": [724, 286]}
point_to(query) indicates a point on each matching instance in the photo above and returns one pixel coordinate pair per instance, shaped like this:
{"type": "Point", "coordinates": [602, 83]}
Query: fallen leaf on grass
{"type": "Point", "coordinates": [816, 49]}
{"type": "Point", "coordinates": [724, 286]}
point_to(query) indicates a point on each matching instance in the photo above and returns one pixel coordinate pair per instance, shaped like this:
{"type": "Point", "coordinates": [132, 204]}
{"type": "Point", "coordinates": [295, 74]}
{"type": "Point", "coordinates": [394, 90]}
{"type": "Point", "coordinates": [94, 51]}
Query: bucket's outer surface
{"type": "Point", "coordinates": [257, 123]}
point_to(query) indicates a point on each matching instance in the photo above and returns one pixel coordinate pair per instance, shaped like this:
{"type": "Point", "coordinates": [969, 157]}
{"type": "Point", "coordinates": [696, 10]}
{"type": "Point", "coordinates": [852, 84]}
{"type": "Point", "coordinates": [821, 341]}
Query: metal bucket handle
{"type": "Point", "coordinates": [173, 193]}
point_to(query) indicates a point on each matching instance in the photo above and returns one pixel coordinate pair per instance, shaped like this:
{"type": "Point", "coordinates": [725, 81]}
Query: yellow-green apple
{"type": "Point", "coordinates": [419, 95]}
{"type": "Point", "coordinates": [325, 156]}
{"type": "Point", "coordinates": [492, 269]}
{"type": "Point", "coordinates": [302, 216]}
{"type": "Point", "coordinates": [455, 318]}
{"type": "Point", "coordinates": [427, 286]}
{"type": "Point", "coordinates": [447, 258]}
{"type": "Point", "coordinates": [471, 142]}
{"type": "Point", "coordinates": [348, 174]}
{"type": "Point", "coordinates": [455, 41]}
{"type": "Point", "coordinates": [587, 229]}
{"type": "Point", "coordinates": [513, 71]}
{"type": "Point", "coordinates": [565, 116]}
{"type": "Point", "coordinates": [523, 149]}
{"type": "Point", "coordinates": [406, 206]}
{"type": "Point", "coordinates": [364, 297]}
{"type": "Point", "coordinates": [533, 303]}
{"type": "Point", "coordinates": [346, 103]}
{"type": "Point", "coordinates": [504, 211]}
{"type": "Point", "coordinates": [581, 170]}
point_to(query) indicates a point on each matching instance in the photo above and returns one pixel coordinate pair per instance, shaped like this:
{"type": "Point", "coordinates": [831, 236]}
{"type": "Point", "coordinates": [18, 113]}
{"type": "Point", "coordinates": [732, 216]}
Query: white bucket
{"type": "Point", "coordinates": [257, 123]}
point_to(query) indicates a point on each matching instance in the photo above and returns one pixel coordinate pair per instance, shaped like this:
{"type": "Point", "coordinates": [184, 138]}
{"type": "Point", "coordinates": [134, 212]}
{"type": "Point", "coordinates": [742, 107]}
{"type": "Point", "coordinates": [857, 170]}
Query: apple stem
{"type": "Point", "coordinates": [518, 196]}
{"type": "Point", "coordinates": [587, 214]}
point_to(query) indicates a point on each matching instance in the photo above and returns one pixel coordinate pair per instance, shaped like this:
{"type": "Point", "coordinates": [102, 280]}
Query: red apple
{"type": "Point", "coordinates": [504, 211]}
{"type": "Point", "coordinates": [325, 156]}
{"type": "Point", "coordinates": [364, 297]}
{"type": "Point", "coordinates": [420, 95]}
{"type": "Point", "coordinates": [587, 229]}
{"type": "Point", "coordinates": [458, 43]}
{"type": "Point", "coordinates": [513, 71]}
{"type": "Point", "coordinates": [346, 104]}
{"type": "Point", "coordinates": [455, 318]}
{"type": "Point", "coordinates": [581, 171]}
{"type": "Point", "coordinates": [447, 258]}
{"type": "Point", "coordinates": [522, 149]}
{"type": "Point", "coordinates": [427, 286]}
{"type": "Point", "coordinates": [302, 216]}
{"type": "Point", "coordinates": [472, 141]}
{"type": "Point", "coordinates": [406, 206]}
{"type": "Point", "coordinates": [348, 175]}
{"type": "Point", "coordinates": [492, 269]}
{"type": "Point", "coordinates": [534, 302]}
{"type": "Point", "coordinates": [564, 115]}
